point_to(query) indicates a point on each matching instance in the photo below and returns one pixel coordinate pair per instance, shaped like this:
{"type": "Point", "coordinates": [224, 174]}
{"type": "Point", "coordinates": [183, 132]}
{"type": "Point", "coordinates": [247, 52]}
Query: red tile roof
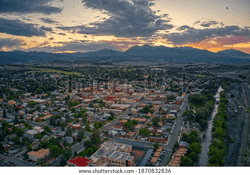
{"type": "Point", "coordinates": [79, 161]}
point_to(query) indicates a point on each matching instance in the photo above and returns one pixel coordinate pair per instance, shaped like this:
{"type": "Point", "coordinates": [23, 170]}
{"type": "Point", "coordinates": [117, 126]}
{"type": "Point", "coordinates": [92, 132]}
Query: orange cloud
{"type": "Point", "coordinates": [217, 44]}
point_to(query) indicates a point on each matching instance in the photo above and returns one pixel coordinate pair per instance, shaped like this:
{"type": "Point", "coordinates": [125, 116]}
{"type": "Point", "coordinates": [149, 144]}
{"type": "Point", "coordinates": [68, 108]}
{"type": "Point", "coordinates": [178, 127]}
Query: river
{"type": "Point", "coordinates": [203, 157]}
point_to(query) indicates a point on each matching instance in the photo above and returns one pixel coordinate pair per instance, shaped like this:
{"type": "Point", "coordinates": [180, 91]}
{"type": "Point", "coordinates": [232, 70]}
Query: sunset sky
{"type": "Point", "coordinates": [88, 25]}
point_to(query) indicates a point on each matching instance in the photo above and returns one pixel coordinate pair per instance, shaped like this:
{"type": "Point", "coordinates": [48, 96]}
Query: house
{"type": "Point", "coordinates": [112, 133]}
{"type": "Point", "coordinates": [38, 129]}
{"type": "Point", "coordinates": [182, 144]}
{"type": "Point", "coordinates": [157, 139]}
{"type": "Point", "coordinates": [69, 140]}
{"type": "Point", "coordinates": [76, 126]}
{"type": "Point", "coordinates": [170, 116]}
{"type": "Point", "coordinates": [130, 134]}
{"type": "Point", "coordinates": [61, 134]}
{"type": "Point", "coordinates": [41, 154]}
{"type": "Point", "coordinates": [138, 127]}
{"type": "Point", "coordinates": [154, 160]}
{"type": "Point", "coordinates": [32, 132]}
{"type": "Point", "coordinates": [29, 136]}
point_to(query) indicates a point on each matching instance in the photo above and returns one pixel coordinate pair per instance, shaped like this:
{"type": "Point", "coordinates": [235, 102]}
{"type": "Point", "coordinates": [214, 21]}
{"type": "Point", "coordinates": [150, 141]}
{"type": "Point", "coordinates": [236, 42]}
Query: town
{"type": "Point", "coordinates": [69, 114]}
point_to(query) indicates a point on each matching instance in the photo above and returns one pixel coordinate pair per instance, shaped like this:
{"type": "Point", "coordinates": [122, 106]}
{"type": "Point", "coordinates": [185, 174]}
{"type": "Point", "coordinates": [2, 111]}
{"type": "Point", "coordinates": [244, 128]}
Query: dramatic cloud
{"type": "Point", "coordinates": [19, 28]}
{"type": "Point", "coordinates": [184, 27]}
{"type": "Point", "coordinates": [28, 6]}
{"type": "Point", "coordinates": [192, 34]}
{"type": "Point", "coordinates": [46, 28]}
{"type": "Point", "coordinates": [208, 23]}
{"type": "Point", "coordinates": [48, 20]}
{"type": "Point", "coordinates": [127, 19]}
{"type": "Point", "coordinates": [61, 34]}
{"type": "Point", "coordinates": [9, 43]}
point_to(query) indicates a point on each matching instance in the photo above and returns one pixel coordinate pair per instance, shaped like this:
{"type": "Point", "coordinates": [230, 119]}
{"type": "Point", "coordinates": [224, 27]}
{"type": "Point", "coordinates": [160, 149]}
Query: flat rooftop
{"type": "Point", "coordinates": [119, 156]}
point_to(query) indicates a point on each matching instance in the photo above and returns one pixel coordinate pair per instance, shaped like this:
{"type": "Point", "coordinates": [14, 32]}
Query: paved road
{"type": "Point", "coordinates": [174, 136]}
{"type": "Point", "coordinates": [17, 162]}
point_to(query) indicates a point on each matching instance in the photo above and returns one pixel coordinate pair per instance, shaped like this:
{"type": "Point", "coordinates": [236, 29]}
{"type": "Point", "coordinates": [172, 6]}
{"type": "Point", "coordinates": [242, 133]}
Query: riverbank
{"type": "Point", "coordinates": [205, 143]}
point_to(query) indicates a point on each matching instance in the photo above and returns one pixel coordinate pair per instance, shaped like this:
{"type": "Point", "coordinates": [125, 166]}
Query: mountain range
{"type": "Point", "coordinates": [153, 53]}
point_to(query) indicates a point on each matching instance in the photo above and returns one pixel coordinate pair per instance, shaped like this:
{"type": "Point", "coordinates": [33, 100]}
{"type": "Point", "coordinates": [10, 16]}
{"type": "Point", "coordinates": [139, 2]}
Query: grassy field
{"type": "Point", "coordinates": [57, 71]}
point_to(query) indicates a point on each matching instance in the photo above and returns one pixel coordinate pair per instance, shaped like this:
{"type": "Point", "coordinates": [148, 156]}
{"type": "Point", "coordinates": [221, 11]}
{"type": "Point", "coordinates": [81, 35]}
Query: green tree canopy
{"type": "Point", "coordinates": [186, 161]}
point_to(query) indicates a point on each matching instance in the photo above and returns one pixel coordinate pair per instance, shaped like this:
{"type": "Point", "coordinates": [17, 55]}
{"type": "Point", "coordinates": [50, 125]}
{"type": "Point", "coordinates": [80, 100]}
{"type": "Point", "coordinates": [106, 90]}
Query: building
{"type": "Point", "coordinates": [157, 139]}
{"type": "Point", "coordinates": [79, 161]}
{"type": "Point", "coordinates": [112, 153]}
{"type": "Point", "coordinates": [41, 154]}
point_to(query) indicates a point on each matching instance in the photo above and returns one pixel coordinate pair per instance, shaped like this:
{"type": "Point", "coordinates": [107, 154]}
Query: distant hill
{"type": "Point", "coordinates": [177, 54]}
{"type": "Point", "coordinates": [234, 53]}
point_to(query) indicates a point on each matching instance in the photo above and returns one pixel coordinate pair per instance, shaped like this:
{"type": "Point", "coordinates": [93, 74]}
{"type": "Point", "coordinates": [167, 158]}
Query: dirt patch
{"type": "Point", "coordinates": [138, 155]}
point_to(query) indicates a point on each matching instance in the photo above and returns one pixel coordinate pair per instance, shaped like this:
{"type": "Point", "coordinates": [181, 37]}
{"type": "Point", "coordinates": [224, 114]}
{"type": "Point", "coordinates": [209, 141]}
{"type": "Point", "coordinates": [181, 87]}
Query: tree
{"type": "Point", "coordinates": [156, 121]}
{"type": "Point", "coordinates": [100, 125]}
{"type": "Point", "coordinates": [96, 125]}
{"type": "Point", "coordinates": [219, 133]}
{"type": "Point", "coordinates": [39, 91]}
{"type": "Point", "coordinates": [31, 103]}
{"type": "Point", "coordinates": [29, 148]}
{"type": "Point", "coordinates": [171, 97]}
{"type": "Point", "coordinates": [47, 128]}
{"type": "Point", "coordinates": [193, 156]}
{"type": "Point", "coordinates": [73, 110]}
{"type": "Point", "coordinates": [69, 132]}
{"type": "Point", "coordinates": [176, 145]}
{"type": "Point", "coordinates": [186, 161]}
{"type": "Point", "coordinates": [80, 134]}
{"type": "Point", "coordinates": [4, 113]}
{"type": "Point", "coordinates": [195, 147]}
{"type": "Point", "coordinates": [95, 138]}
{"type": "Point", "coordinates": [87, 127]}
{"type": "Point", "coordinates": [75, 154]}
{"type": "Point", "coordinates": [89, 151]}
{"type": "Point", "coordinates": [54, 150]}
{"type": "Point", "coordinates": [16, 120]}
{"type": "Point", "coordinates": [19, 132]}
{"type": "Point", "coordinates": [26, 156]}
{"type": "Point", "coordinates": [203, 125]}
{"type": "Point", "coordinates": [39, 161]}
{"type": "Point", "coordinates": [62, 125]}
{"type": "Point", "coordinates": [1, 147]}
{"type": "Point", "coordinates": [63, 161]}
{"type": "Point", "coordinates": [51, 121]}
{"type": "Point", "coordinates": [184, 137]}
{"type": "Point", "coordinates": [67, 153]}
{"type": "Point", "coordinates": [189, 114]}
{"type": "Point", "coordinates": [135, 122]}
{"type": "Point", "coordinates": [156, 146]}
{"type": "Point", "coordinates": [144, 132]}
{"type": "Point", "coordinates": [43, 144]}
{"type": "Point", "coordinates": [87, 144]}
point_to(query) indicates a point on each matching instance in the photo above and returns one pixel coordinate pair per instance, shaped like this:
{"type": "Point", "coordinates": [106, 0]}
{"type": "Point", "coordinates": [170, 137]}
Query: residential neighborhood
{"type": "Point", "coordinates": [96, 118]}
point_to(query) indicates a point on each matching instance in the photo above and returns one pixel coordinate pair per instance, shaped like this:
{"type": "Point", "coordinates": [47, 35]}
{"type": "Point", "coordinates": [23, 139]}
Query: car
{"type": "Point", "coordinates": [162, 156]}
{"type": "Point", "coordinates": [160, 160]}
